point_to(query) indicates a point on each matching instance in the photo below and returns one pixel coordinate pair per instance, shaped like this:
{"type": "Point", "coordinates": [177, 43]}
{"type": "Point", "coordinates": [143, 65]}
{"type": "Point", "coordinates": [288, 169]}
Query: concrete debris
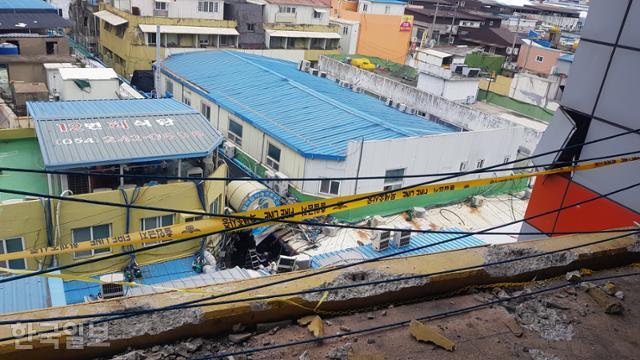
{"type": "Point", "coordinates": [354, 277]}
{"type": "Point", "coordinates": [148, 324]}
{"type": "Point", "coordinates": [374, 356]}
{"type": "Point", "coordinates": [370, 316]}
{"type": "Point", "coordinates": [586, 272]}
{"type": "Point", "coordinates": [573, 276]}
{"type": "Point", "coordinates": [345, 328]}
{"type": "Point", "coordinates": [191, 348]}
{"type": "Point", "coordinates": [239, 338]}
{"type": "Point", "coordinates": [265, 327]}
{"type": "Point", "coordinates": [304, 356]}
{"type": "Point", "coordinates": [619, 295]}
{"type": "Point", "coordinates": [586, 285]}
{"type": "Point", "coordinates": [340, 352]}
{"type": "Point", "coordinates": [384, 313]}
{"type": "Point", "coordinates": [426, 333]}
{"type": "Point", "coordinates": [508, 252]}
{"type": "Point", "coordinates": [514, 327]}
{"type": "Point", "coordinates": [540, 355]}
{"type": "Point", "coordinates": [570, 291]}
{"type": "Point", "coordinates": [609, 304]}
{"type": "Point", "coordinates": [536, 315]}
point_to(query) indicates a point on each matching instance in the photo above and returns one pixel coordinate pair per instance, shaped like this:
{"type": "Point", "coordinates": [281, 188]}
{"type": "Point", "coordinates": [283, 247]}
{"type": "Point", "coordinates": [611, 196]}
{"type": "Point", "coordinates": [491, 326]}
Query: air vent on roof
{"type": "Point", "coordinates": [357, 89]}
{"type": "Point", "coordinates": [344, 83]}
{"type": "Point", "coordinates": [380, 240]}
{"type": "Point", "coordinates": [401, 237]}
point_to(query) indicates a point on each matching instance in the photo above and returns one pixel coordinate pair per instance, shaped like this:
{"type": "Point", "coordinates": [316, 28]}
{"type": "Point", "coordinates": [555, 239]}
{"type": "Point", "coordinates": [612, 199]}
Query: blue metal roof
{"type": "Point", "coordinates": [24, 294]}
{"type": "Point", "coordinates": [75, 291]}
{"type": "Point", "coordinates": [417, 240]}
{"type": "Point", "coordinates": [75, 134]}
{"type": "Point", "coordinates": [311, 115]}
{"type": "Point", "coordinates": [25, 5]}
{"type": "Point", "coordinates": [566, 57]}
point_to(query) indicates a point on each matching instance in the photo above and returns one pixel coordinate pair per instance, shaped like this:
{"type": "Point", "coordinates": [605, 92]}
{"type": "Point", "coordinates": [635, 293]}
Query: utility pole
{"type": "Point", "coordinates": [453, 21]}
{"type": "Point", "coordinates": [515, 37]}
{"type": "Point", "coordinates": [433, 25]}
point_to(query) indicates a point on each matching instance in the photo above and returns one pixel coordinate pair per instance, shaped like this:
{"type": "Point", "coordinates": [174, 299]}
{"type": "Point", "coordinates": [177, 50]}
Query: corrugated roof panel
{"type": "Point", "coordinates": [312, 115]}
{"type": "Point", "coordinates": [89, 133]}
{"type": "Point", "coordinates": [417, 241]}
{"type": "Point", "coordinates": [24, 294]}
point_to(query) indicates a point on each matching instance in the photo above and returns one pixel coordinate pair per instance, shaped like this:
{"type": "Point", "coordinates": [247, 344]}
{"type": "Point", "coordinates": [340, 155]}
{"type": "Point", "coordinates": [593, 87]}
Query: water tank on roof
{"type": "Point", "coordinates": [247, 195]}
{"type": "Point", "coordinates": [8, 49]}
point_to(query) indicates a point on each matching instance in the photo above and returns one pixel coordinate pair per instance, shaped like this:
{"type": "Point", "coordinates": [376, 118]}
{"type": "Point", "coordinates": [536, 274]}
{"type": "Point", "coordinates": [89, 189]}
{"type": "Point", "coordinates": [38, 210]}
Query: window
{"type": "Point", "coordinates": [192, 219]}
{"type": "Point", "coordinates": [216, 205]}
{"type": "Point", "coordinates": [208, 6]}
{"type": "Point", "coordinates": [396, 180]}
{"type": "Point", "coordinates": [10, 246]}
{"type": "Point", "coordinates": [387, 9]}
{"type": "Point", "coordinates": [330, 187]}
{"type": "Point", "coordinates": [88, 234]}
{"type": "Point", "coordinates": [539, 58]}
{"type": "Point", "coordinates": [480, 164]}
{"type": "Point", "coordinates": [235, 132]}
{"type": "Point", "coordinates": [51, 47]}
{"type": "Point", "coordinates": [151, 38]}
{"type": "Point", "coordinates": [251, 27]}
{"type": "Point", "coordinates": [286, 9]}
{"type": "Point", "coordinates": [491, 23]}
{"type": "Point", "coordinates": [317, 15]}
{"type": "Point", "coordinates": [168, 86]}
{"type": "Point", "coordinates": [120, 30]}
{"type": "Point", "coordinates": [161, 5]}
{"type": "Point", "coordinates": [85, 21]}
{"type": "Point", "coordinates": [153, 223]}
{"type": "Point", "coordinates": [365, 7]}
{"type": "Point", "coordinates": [205, 110]}
{"type": "Point", "coordinates": [107, 26]}
{"type": "Point", "coordinates": [273, 157]}
{"type": "Point", "coordinates": [345, 30]}
{"type": "Point", "coordinates": [464, 165]}
{"type": "Point", "coordinates": [186, 100]}
{"type": "Point", "coordinates": [506, 160]}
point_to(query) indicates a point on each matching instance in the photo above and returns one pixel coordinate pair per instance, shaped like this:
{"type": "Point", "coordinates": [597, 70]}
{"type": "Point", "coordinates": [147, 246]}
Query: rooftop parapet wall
{"type": "Point", "coordinates": [434, 106]}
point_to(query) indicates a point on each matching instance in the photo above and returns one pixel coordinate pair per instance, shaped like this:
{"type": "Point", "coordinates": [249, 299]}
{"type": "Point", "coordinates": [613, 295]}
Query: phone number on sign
{"type": "Point", "coordinates": [131, 138]}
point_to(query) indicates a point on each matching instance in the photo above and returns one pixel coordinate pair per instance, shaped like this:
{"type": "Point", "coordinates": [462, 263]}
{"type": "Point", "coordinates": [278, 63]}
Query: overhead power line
{"type": "Point", "coordinates": [321, 289]}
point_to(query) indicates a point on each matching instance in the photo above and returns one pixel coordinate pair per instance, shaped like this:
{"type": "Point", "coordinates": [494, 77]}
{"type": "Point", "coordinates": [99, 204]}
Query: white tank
{"type": "Point", "coordinates": [247, 195]}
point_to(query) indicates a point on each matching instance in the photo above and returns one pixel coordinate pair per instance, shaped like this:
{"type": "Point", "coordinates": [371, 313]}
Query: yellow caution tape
{"type": "Point", "coordinates": [297, 211]}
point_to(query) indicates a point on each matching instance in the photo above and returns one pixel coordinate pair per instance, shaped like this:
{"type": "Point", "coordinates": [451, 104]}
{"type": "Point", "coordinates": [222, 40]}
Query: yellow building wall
{"type": "Point", "coordinates": [380, 35]}
{"type": "Point", "coordinates": [26, 219]}
{"type": "Point", "coordinates": [500, 86]}
{"type": "Point", "coordinates": [131, 46]}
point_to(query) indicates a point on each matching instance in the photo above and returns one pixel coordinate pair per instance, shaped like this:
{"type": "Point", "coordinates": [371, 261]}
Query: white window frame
{"type": "Point", "coordinates": [387, 9]}
{"type": "Point", "coordinates": [317, 15]}
{"type": "Point", "coordinates": [464, 165]}
{"type": "Point", "coordinates": [160, 5]}
{"type": "Point", "coordinates": [159, 219]}
{"type": "Point", "coordinates": [284, 9]}
{"type": "Point", "coordinates": [235, 138]}
{"type": "Point", "coordinates": [393, 184]}
{"type": "Point", "coordinates": [205, 110]}
{"type": "Point", "coordinates": [186, 100]}
{"type": "Point", "coordinates": [539, 58]}
{"type": "Point", "coordinates": [251, 27]}
{"type": "Point", "coordinates": [329, 184]}
{"type": "Point", "coordinates": [271, 162]}
{"type": "Point", "coordinates": [208, 6]}
{"type": "Point", "coordinates": [365, 7]}
{"type": "Point", "coordinates": [94, 252]}
{"type": "Point", "coordinates": [168, 86]}
{"type": "Point", "coordinates": [479, 163]}
{"type": "Point", "coordinates": [506, 159]}
{"type": "Point", "coordinates": [345, 30]}
{"type": "Point", "coordinates": [3, 250]}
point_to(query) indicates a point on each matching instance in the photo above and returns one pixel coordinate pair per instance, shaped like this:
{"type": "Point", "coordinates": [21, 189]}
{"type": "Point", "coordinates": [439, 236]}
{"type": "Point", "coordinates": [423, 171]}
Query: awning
{"type": "Point", "coordinates": [111, 18]}
{"type": "Point", "coordinates": [303, 34]}
{"type": "Point", "coordinates": [199, 30]}
{"type": "Point", "coordinates": [320, 10]}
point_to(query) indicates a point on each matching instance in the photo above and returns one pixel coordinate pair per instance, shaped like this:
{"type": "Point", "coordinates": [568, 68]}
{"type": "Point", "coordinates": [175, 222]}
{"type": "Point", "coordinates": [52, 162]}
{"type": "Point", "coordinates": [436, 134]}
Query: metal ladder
{"type": "Point", "coordinates": [253, 260]}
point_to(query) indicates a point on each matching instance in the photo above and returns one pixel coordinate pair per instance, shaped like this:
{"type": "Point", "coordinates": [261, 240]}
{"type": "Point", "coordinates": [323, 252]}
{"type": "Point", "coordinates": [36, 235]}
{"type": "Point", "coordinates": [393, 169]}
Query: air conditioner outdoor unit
{"type": "Point", "coordinates": [381, 240]}
{"type": "Point", "coordinates": [357, 89]}
{"type": "Point", "coordinates": [313, 71]}
{"type": "Point", "coordinates": [401, 237]}
{"type": "Point", "coordinates": [229, 149]}
{"type": "Point", "coordinates": [411, 111]}
{"type": "Point", "coordinates": [285, 263]}
{"type": "Point", "coordinates": [195, 171]}
{"type": "Point", "coordinates": [304, 65]}
{"type": "Point", "coordinates": [281, 187]}
{"type": "Point", "coordinates": [458, 68]}
{"type": "Point", "coordinates": [470, 72]}
{"type": "Point", "coordinates": [402, 107]}
{"type": "Point", "coordinates": [344, 83]}
{"type": "Point", "coordinates": [322, 74]}
{"type": "Point", "coordinates": [388, 102]}
{"type": "Point", "coordinates": [108, 287]}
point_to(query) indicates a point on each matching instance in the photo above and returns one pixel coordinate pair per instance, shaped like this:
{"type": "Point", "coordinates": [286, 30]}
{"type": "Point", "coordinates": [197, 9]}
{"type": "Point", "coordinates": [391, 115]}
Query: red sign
{"type": "Point", "coordinates": [405, 23]}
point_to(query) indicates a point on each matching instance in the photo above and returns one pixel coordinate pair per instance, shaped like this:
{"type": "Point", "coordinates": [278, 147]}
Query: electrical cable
{"type": "Point", "coordinates": [102, 258]}
{"type": "Point", "coordinates": [302, 179]}
{"type": "Point", "coordinates": [441, 315]}
{"type": "Point", "coordinates": [205, 213]}
{"type": "Point", "coordinates": [323, 289]}
{"type": "Point", "coordinates": [348, 265]}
